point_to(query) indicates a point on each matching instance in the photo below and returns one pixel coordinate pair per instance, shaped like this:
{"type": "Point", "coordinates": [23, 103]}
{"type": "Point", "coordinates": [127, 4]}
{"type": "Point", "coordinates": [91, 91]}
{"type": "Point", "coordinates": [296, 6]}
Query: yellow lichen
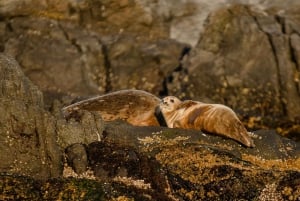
{"type": "Point", "coordinates": [289, 164]}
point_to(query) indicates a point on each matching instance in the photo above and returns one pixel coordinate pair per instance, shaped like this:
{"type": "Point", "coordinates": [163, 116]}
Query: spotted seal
{"type": "Point", "coordinates": [136, 107]}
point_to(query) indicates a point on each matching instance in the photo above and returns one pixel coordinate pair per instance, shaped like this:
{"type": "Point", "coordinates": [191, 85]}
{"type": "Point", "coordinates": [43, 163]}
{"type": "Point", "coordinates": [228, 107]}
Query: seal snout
{"type": "Point", "coordinates": [164, 102]}
{"type": "Point", "coordinates": [168, 100]}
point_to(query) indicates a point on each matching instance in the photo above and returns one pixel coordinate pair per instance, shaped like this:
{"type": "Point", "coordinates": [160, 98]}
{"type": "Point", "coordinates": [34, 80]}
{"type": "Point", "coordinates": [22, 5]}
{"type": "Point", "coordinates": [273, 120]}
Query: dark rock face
{"type": "Point", "coordinates": [28, 138]}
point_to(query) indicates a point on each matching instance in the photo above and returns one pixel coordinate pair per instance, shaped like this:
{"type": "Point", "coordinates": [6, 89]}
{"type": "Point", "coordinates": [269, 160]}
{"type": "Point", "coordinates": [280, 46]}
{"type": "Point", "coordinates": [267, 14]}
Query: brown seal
{"type": "Point", "coordinates": [133, 106]}
{"type": "Point", "coordinates": [212, 118]}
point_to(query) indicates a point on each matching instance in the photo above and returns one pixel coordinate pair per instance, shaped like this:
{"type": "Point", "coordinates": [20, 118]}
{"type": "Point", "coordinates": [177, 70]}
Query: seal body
{"type": "Point", "coordinates": [136, 107]}
{"type": "Point", "coordinates": [212, 118]}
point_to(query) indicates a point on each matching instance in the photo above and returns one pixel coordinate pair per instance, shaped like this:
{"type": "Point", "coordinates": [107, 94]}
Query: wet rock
{"type": "Point", "coordinates": [28, 139]}
{"type": "Point", "coordinates": [14, 187]}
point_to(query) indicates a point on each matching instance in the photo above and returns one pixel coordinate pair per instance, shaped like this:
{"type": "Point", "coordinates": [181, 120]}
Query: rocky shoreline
{"type": "Point", "coordinates": [244, 56]}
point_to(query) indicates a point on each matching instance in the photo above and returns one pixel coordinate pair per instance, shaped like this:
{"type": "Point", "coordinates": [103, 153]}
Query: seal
{"type": "Point", "coordinates": [136, 107]}
{"type": "Point", "coordinates": [212, 118]}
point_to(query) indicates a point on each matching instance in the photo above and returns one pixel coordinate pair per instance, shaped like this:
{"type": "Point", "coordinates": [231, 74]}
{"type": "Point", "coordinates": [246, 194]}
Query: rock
{"type": "Point", "coordinates": [228, 63]}
{"type": "Point", "coordinates": [77, 158]}
{"type": "Point", "coordinates": [15, 187]}
{"type": "Point", "coordinates": [28, 139]}
{"type": "Point", "coordinates": [188, 165]}
{"type": "Point", "coordinates": [156, 163]}
{"type": "Point", "coordinates": [142, 65]}
{"type": "Point", "coordinates": [102, 50]}
{"type": "Point", "coordinates": [79, 55]}
{"type": "Point", "coordinates": [97, 60]}
{"type": "Point", "coordinates": [23, 7]}
{"type": "Point", "coordinates": [187, 18]}
{"type": "Point", "coordinates": [70, 60]}
{"type": "Point", "coordinates": [79, 48]}
{"type": "Point", "coordinates": [87, 128]}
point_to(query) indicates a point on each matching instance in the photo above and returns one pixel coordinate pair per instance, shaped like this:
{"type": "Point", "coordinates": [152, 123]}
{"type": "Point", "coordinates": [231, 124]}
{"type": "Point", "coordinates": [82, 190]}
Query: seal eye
{"type": "Point", "coordinates": [172, 100]}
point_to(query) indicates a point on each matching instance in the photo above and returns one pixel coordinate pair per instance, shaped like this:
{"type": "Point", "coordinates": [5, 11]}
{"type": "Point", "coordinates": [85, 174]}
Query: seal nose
{"type": "Point", "coordinates": [163, 102]}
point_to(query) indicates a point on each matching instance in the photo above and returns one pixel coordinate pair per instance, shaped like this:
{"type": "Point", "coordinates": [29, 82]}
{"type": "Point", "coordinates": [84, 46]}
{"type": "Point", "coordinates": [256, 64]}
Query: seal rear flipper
{"type": "Point", "coordinates": [242, 135]}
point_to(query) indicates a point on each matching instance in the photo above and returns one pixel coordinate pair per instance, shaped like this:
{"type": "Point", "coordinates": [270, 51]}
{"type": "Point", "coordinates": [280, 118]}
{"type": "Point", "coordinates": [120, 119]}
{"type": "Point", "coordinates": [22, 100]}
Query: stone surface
{"type": "Point", "coordinates": [242, 56]}
{"type": "Point", "coordinates": [189, 165]}
{"type": "Point", "coordinates": [32, 139]}
{"type": "Point", "coordinates": [143, 45]}
{"type": "Point", "coordinates": [142, 65]}
{"type": "Point", "coordinates": [77, 158]}
{"type": "Point", "coordinates": [187, 18]}
{"type": "Point", "coordinates": [70, 59]}
{"type": "Point", "coordinates": [28, 139]}
{"type": "Point", "coordinates": [245, 60]}
{"type": "Point", "coordinates": [79, 55]}
{"type": "Point", "coordinates": [86, 129]}
{"type": "Point", "coordinates": [156, 163]}
{"type": "Point", "coordinates": [15, 187]}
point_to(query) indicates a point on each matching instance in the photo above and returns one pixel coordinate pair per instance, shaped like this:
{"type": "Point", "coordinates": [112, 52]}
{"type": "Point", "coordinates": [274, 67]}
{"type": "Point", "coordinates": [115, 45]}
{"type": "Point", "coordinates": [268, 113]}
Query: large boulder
{"type": "Point", "coordinates": [28, 138]}
{"type": "Point", "coordinates": [190, 165]}
{"type": "Point", "coordinates": [247, 59]}
{"type": "Point", "coordinates": [154, 163]}
{"type": "Point", "coordinates": [33, 139]}
{"type": "Point", "coordinates": [88, 47]}
{"type": "Point", "coordinates": [70, 60]}
{"type": "Point", "coordinates": [242, 56]}
{"type": "Point", "coordinates": [124, 161]}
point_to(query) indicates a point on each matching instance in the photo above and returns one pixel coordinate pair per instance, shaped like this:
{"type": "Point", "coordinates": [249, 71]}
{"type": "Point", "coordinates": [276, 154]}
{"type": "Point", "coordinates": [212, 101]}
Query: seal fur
{"type": "Point", "coordinates": [136, 107]}
{"type": "Point", "coordinates": [212, 118]}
